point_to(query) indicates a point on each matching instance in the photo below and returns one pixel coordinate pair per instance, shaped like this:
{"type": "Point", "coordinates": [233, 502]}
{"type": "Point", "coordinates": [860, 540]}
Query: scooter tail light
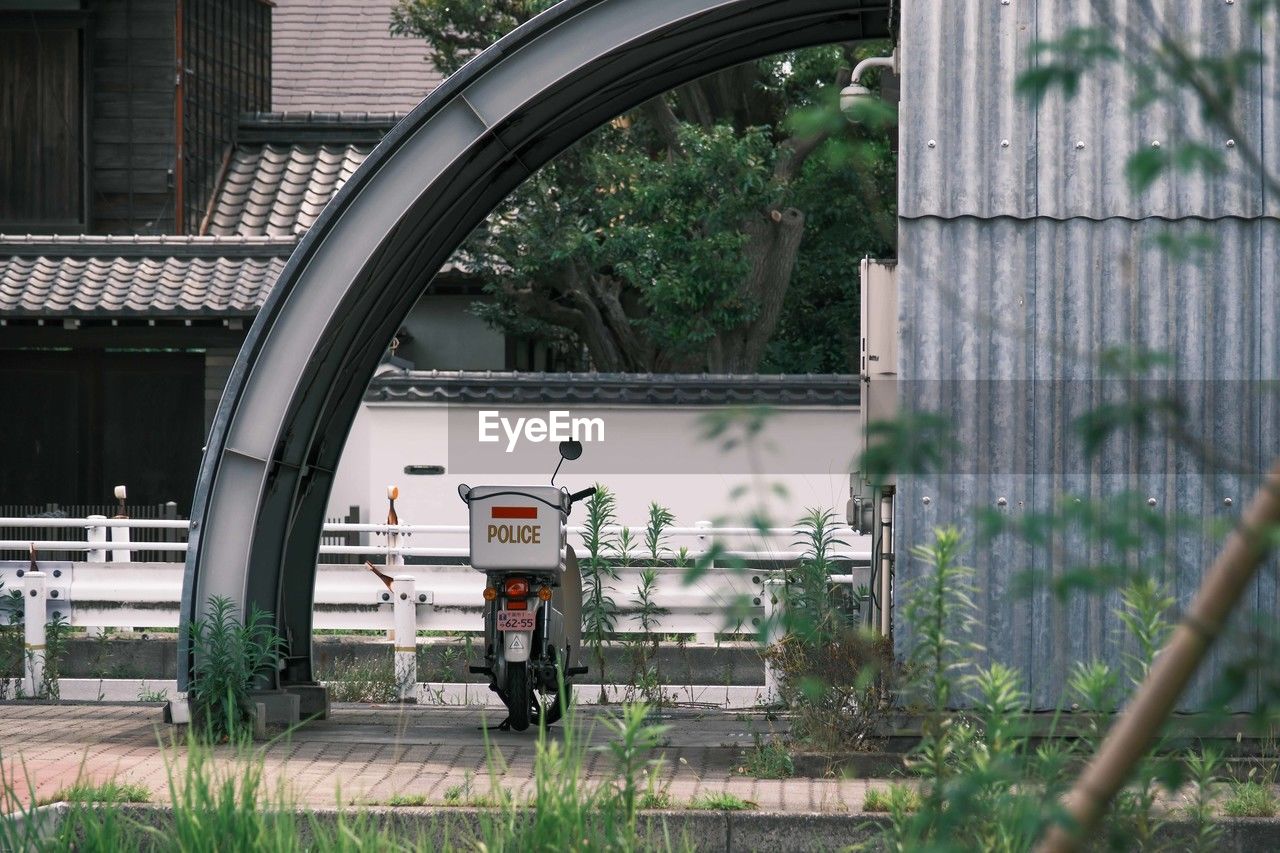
{"type": "Point", "coordinates": [517, 604]}
{"type": "Point", "coordinates": [516, 587]}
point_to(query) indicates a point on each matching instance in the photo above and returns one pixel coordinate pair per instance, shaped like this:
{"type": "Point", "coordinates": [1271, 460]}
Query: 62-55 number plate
{"type": "Point", "coordinates": [516, 620]}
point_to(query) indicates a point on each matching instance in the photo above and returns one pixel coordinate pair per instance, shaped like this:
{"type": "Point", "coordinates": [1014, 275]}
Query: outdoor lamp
{"type": "Point", "coordinates": [852, 94]}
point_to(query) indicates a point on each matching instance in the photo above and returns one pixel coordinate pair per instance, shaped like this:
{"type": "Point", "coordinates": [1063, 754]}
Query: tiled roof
{"type": "Point", "coordinates": [279, 190]}
{"type": "Point", "coordinates": [313, 126]}
{"type": "Point", "coordinates": [439, 386]}
{"type": "Point", "coordinates": [340, 55]}
{"type": "Point", "coordinates": [117, 277]}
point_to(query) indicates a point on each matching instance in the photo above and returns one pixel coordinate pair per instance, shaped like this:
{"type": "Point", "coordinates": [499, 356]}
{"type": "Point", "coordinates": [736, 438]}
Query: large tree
{"type": "Point", "coordinates": [717, 227]}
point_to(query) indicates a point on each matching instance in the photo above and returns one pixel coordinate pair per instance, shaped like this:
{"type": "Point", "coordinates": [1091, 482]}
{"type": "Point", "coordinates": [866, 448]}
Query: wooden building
{"type": "Point", "coordinates": [138, 146]}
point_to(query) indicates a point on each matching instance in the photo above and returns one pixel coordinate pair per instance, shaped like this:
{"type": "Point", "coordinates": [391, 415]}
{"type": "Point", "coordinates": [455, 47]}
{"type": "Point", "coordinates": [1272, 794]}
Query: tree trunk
{"type": "Point", "coordinates": [773, 243]}
{"type": "Point", "coordinates": [591, 306]}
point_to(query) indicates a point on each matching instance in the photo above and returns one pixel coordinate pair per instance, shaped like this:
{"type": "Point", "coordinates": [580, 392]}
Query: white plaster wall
{"type": "Point", "coordinates": [650, 453]}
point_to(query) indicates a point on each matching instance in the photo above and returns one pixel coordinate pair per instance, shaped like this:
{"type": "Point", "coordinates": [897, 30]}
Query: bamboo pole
{"type": "Point", "coordinates": [1173, 668]}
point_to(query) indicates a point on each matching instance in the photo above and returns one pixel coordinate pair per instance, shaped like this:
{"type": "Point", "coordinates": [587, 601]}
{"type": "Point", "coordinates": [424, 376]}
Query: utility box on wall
{"type": "Point", "coordinates": [879, 361]}
{"type": "Point", "coordinates": [878, 369]}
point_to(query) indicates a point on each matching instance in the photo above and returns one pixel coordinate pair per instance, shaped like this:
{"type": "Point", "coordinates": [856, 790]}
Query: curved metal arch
{"type": "Point", "coordinates": [297, 383]}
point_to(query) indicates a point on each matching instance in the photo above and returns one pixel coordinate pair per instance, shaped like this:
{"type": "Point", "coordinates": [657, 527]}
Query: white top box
{"type": "Point", "coordinates": [517, 527]}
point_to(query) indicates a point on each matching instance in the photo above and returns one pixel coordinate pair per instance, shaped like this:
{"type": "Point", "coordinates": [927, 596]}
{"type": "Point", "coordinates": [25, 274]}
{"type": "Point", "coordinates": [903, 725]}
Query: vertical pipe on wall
{"type": "Point", "coordinates": [886, 564]}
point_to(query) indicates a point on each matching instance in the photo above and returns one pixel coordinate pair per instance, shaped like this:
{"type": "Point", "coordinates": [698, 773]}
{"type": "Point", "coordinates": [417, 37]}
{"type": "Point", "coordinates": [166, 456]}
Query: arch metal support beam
{"type": "Point", "coordinates": [297, 384]}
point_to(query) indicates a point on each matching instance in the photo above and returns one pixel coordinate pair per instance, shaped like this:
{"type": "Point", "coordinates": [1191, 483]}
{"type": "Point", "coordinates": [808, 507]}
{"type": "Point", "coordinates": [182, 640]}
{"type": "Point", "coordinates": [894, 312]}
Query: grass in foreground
{"type": "Point", "coordinates": [102, 792]}
{"type": "Point", "coordinates": [222, 800]}
{"type": "Point", "coordinates": [895, 798]}
{"type": "Point", "coordinates": [768, 760]}
{"type": "Point", "coordinates": [403, 800]}
{"type": "Point", "coordinates": [1250, 799]}
{"type": "Point", "coordinates": [720, 801]}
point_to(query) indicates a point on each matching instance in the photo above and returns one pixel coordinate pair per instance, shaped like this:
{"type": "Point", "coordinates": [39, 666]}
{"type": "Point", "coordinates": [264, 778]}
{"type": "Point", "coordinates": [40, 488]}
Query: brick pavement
{"type": "Point", "coordinates": [367, 755]}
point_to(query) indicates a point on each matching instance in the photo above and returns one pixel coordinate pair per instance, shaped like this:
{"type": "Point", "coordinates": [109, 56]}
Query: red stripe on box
{"type": "Point", "coordinates": [514, 512]}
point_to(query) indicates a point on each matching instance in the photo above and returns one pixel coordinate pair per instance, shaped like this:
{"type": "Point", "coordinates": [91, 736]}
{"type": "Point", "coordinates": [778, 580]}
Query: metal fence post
{"type": "Point", "coordinates": [97, 534]}
{"type": "Point", "coordinates": [395, 559]}
{"type": "Point", "coordinates": [404, 600]}
{"type": "Point", "coordinates": [34, 615]}
{"type": "Point", "coordinates": [120, 536]}
{"type": "Point", "coordinates": [772, 598]}
{"type": "Point", "coordinates": [704, 544]}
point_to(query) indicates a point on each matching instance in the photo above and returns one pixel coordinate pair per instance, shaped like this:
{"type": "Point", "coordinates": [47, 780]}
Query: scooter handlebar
{"type": "Point", "coordinates": [585, 493]}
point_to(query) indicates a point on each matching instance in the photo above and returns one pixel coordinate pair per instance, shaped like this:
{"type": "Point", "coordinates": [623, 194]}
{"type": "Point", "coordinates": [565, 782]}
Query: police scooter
{"type": "Point", "coordinates": [533, 594]}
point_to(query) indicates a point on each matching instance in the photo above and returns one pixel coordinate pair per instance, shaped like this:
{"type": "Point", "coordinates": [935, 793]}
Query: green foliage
{"type": "Point", "coordinates": [974, 771]}
{"type": "Point", "coordinates": [1145, 408]}
{"type": "Point", "coordinates": [599, 611]}
{"type": "Point", "coordinates": [573, 813]}
{"type": "Point", "coordinates": [982, 778]}
{"type": "Point", "coordinates": [848, 192]}
{"type": "Point", "coordinates": [1167, 70]}
{"type": "Point", "coordinates": [810, 609]}
{"type": "Point", "coordinates": [895, 799]}
{"type": "Point", "coordinates": [1203, 775]}
{"type": "Point", "coordinates": [1126, 541]}
{"type": "Point", "coordinates": [646, 674]}
{"type": "Point", "coordinates": [149, 695]}
{"type": "Point", "coordinates": [686, 234]}
{"type": "Point", "coordinates": [103, 792]}
{"type": "Point", "coordinates": [1145, 613]}
{"type": "Point", "coordinates": [461, 28]}
{"type": "Point", "coordinates": [631, 747]}
{"type": "Point", "coordinates": [720, 801]}
{"type": "Point", "coordinates": [835, 678]}
{"type": "Point", "coordinates": [913, 443]}
{"type": "Point", "coordinates": [13, 650]}
{"type": "Point", "coordinates": [11, 638]}
{"type": "Point", "coordinates": [655, 531]}
{"type": "Point", "coordinates": [230, 656]}
{"type": "Point", "coordinates": [1095, 687]}
{"type": "Point", "coordinates": [768, 759]}
{"type": "Point", "coordinates": [1061, 63]}
{"type": "Point", "coordinates": [942, 614]}
{"type": "Point", "coordinates": [367, 680]}
{"type": "Point", "coordinates": [455, 794]}
{"type": "Point", "coordinates": [655, 800]}
{"type": "Point", "coordinates": [409, 800]}
{"type": "Point", "coordinates": [221, 801]}
{"type": "Point", "coordinates": [1250, 798]}
{"type": "Point", "coordinates": [56, 635]}
{"type": "Point", "coordinates": [643, 649]}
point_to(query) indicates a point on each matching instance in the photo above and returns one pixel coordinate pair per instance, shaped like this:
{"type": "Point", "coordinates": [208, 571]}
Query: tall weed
{"type": "Point", "coordinates": [230, 656]}
{"type": "Point", "coordinates": [599, 610]}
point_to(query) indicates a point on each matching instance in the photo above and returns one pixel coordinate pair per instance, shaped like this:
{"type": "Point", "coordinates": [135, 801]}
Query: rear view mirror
{"type": "Point", "coordinates": [570, 450]}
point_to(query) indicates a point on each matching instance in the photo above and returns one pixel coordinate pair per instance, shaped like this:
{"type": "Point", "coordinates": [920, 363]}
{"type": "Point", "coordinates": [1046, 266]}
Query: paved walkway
{"type": "Point", "coordinates": [364, 755]}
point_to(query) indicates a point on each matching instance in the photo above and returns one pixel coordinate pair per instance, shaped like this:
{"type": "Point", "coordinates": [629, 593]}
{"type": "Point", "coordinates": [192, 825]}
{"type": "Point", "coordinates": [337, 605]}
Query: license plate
{"type": "Point", "coordinates": [516, 620]}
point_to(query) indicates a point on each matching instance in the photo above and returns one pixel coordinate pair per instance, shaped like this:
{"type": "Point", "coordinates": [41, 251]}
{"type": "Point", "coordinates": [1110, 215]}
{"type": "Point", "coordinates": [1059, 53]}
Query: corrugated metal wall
{"type": "Point", "coordinates": [1022, 255]}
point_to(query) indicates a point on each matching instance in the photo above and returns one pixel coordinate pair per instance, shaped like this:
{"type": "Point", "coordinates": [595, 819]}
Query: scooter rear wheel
{"type": "Point", "coordinates": [519, 697]}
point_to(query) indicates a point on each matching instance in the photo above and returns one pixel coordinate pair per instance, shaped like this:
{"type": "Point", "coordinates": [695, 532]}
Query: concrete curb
{"type": "Point", "coordinates": [709, 831]}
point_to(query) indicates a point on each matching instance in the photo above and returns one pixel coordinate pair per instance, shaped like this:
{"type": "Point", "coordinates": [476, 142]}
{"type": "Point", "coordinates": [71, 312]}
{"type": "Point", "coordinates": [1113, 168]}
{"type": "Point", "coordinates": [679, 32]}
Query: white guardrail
{"type": "Point", "coordinates": [106, 590]}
